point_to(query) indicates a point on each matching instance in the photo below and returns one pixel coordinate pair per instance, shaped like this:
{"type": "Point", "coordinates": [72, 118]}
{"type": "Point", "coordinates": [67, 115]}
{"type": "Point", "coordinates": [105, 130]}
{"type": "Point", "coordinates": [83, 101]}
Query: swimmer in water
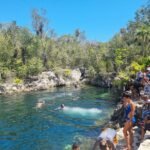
{"type": "Point", "coordinates": [40, 104]}
{"type": "Point", "coordinates": [61, 107]}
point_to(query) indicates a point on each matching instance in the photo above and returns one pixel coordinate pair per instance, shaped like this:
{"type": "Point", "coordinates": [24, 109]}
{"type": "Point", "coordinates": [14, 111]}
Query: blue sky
{"type": "Point", "coordinates": [100, 19]}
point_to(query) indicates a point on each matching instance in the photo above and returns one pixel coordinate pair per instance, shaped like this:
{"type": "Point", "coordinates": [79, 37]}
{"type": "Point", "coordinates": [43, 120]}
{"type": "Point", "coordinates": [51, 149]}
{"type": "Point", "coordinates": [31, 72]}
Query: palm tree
{"type": "Point", "coordinates": [142, 36]}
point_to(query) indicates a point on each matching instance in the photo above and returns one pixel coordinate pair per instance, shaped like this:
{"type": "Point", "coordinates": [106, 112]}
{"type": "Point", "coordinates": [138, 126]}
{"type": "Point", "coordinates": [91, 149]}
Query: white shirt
{"type": "Point", "coordinates": [107, 134]}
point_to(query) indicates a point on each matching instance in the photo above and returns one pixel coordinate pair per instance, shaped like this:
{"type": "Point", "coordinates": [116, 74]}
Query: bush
{"type": "Point", "coordinates": [67, 72]}
{"type": "Point", "coordinates": [91, 71]}
{"type": "Point", "coordinates": [21, 71]}
{"type": "Point", "coordinates": [121, 79]}
{"type": "Point", "coordinates": [5, 73]}
{"type": "Point", "coordinates": [34, 66]}
{"type": "Point", "coordinates": [18, 81]}
{"type": "Point", "coordinates": [123, 75]}
{"type": "Point", "coordinates": [136, 67]}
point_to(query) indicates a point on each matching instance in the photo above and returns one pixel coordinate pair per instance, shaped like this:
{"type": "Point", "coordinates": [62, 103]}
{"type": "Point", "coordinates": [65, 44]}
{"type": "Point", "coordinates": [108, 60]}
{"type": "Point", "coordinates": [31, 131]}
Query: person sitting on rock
{"type": "Point", "coordinates": [146, 107]}
{"type": "Point", "coordinates": [146, 119]}
{"type": "Point", "coordinates": [145, 127]}
{"type": "Point", "coordinates": [106, 140]}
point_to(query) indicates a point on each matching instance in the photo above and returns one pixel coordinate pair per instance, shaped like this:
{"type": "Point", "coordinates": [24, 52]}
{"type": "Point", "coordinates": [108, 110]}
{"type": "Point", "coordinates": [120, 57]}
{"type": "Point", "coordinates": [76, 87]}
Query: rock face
{"type": "Point", "coordinates": [102, 81]}
{"type": "Point", "coordinates": [43, 81]}
{"type": "Point", "coordinates": [48, 79]}
{"type": "Point", "coordinates": [2, 89]}
{"type": "Point", "coordinates": [76, 75]}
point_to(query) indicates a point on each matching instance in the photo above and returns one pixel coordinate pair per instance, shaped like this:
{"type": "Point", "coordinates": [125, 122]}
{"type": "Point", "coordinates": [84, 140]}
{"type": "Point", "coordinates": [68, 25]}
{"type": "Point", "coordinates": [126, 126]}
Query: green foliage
{"type": "Point", "coordinates": [5, 72]}
{"type": "Point", "coordinates": [145, 61]}
{"type": "Point", "coordinates": [34, 66]}
{"type": "Point", "coordinates": [67, 72]}
{"type": "Point", "coordinates": [24, 53]}
{"type": "Point", "coordinates": [136, 67]}
{"type": "Point", "coordinates": [121, 55]}
{"type": "Point", "coordinates": [21, 71]}
{"type": "Point", "coordinates": [92, 71]}
{"type": "Point", "coordinates": [62, 72]}
{"type": "Point", "coordinates": [18, 81]}
{"type": "Point", "coordinates": [123, 76]}
{"type": "Point", "coordinates": [121, 79]}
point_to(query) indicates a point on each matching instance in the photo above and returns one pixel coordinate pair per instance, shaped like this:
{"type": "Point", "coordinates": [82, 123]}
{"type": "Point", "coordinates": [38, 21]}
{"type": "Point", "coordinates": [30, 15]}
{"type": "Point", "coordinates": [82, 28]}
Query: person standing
{"type": "Point", "coordinates": [129, 120]}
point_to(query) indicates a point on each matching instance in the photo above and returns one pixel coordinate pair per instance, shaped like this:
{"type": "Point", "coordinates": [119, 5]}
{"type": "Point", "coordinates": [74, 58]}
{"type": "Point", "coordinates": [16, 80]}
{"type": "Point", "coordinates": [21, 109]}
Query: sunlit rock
{"type": "Point", "coordinates": [76, 74]}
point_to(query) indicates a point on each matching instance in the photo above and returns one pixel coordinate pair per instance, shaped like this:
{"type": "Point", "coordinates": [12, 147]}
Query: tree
{"type": "Point", "coordinates": [79, 35]}
{"type": "Point", "coordinates": [142, 36]}
{"type": "Point", "coordinates": [25, 39]}
{"type": "Point", "coordinates": [39, 21]}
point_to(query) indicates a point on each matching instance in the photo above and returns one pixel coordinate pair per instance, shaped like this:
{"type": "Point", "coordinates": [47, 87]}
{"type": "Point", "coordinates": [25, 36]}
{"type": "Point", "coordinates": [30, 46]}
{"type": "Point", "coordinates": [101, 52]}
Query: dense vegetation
{"type": "Point", "coordinates": [24, 53]}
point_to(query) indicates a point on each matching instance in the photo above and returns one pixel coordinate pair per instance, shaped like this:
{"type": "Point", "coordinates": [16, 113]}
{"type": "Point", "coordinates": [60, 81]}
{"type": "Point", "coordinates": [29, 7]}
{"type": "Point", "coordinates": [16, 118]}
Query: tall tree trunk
{"type": "Point", "coordinates": [15, 53]}
{"type": "Point", "coordinates": [23, 51]}
{"type": "Point", "coordinates": [44, 59]}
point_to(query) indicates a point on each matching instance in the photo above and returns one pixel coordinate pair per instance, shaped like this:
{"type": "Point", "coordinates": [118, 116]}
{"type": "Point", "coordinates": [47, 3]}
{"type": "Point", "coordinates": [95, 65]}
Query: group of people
{"type": "Point", "coordinates": [143, 78]}
{"type": "Point", "coordinates": [141, 84]}
{"type": "Point", "coordinates": [106, 140]}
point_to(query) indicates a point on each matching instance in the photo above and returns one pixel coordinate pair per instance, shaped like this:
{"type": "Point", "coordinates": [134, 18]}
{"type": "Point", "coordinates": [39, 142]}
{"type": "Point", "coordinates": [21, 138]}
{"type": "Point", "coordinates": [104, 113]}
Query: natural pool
{"type": "Point", "coordinates": [24, 127]}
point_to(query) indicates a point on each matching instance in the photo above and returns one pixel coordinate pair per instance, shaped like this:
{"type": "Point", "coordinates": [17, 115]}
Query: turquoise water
{"type": "Point", "coordinates": [25, 127]}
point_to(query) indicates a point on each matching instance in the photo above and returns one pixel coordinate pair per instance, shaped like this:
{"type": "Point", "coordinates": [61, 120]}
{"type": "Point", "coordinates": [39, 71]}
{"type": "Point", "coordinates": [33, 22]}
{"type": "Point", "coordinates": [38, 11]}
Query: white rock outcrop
{"type": "Point", "coordinates": [43, 81]}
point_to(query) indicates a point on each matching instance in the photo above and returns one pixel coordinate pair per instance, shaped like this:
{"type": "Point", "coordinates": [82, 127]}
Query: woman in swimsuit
{"type": "Point", "coordinates": [129, 120]}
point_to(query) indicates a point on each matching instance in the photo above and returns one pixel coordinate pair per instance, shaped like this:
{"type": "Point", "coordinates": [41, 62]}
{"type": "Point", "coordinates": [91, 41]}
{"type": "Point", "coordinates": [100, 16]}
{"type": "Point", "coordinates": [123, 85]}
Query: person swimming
{"type": "Point", "coordinates": [61, 107]}
{"type": "Point", "coordinates": [40, 104]}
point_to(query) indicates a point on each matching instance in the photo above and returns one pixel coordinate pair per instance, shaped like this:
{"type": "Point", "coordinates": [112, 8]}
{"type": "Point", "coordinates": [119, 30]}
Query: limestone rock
{"type": "Point", "coordinates": [76, 74]}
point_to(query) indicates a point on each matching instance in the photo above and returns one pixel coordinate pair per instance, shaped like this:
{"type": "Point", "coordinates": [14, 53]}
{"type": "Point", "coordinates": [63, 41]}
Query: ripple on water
{"type": "Point", "coordinates": [26, 128]}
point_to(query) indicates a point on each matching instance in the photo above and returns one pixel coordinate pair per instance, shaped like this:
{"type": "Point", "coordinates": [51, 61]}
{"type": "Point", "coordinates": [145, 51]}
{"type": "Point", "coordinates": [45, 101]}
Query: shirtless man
{"type": "Point", "coordinates": [129, 120]}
